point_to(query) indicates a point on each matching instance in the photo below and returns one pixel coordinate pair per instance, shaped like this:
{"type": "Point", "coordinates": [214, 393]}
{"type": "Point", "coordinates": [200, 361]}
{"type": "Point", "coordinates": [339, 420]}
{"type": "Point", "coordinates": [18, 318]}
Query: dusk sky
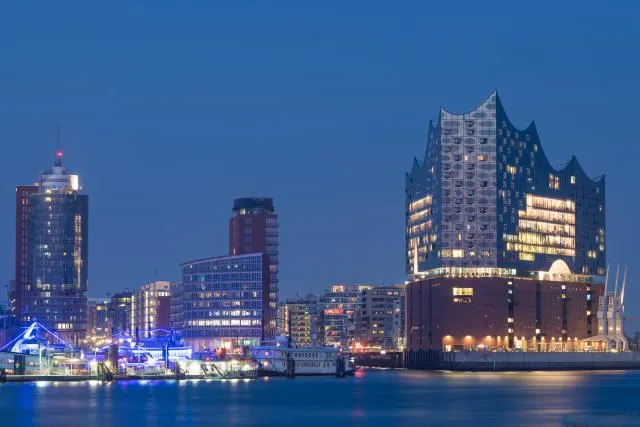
{"type": "Point", "coordinates": [169, 111]}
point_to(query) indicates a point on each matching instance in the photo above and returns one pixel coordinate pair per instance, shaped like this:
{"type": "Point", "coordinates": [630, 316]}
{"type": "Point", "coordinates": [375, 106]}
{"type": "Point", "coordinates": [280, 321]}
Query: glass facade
{"type": "Point", "coordinates": [486, 196]}
{"type": "Point", "coordinates": [55, 294]}
{"type": "Point", "coordinates": [222, 301]}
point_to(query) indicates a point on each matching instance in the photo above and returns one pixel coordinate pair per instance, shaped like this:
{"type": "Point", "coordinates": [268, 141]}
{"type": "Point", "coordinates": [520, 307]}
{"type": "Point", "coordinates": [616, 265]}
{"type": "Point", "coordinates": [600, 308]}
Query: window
{"type": "Point", "coordinates": [573, 179]}
{"type": "Point", "coordinates": [462, 295]}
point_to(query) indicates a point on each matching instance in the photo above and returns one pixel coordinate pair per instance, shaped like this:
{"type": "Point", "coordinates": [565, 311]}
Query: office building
{"type": "Point", "coordinates": [223, 301]}
{"type": "Point", "coordinates": [119, 312]}
{"type": "Point", "coordinates": [23, 225]}
{"type": "Point", "coordinates": [503, 249]}
{"type": "Point", "coordinates": [339, 306]}
{"type": "Point", "coordinates": [53, 221]}
{"type": "Point", "coordinates": [381, 319]}
{"type": "Point", "coordinates": [300, 320]}
{"type": "Point", "coordinates": [151, 309]}
{"type": "Point", "coordinates": [252, 229]}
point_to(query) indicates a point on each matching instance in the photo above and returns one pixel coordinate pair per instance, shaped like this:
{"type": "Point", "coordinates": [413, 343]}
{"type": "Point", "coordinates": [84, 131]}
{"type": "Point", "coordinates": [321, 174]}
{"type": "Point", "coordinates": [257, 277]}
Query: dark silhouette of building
{"type": "Point", "coordinates": [119, 312]}
{"type": "Point", "coordinates": [23, 224]}
{"type": "Point", "coordinates": [498, 242]}
{"type": "Point", "coordinates": [254, 229]}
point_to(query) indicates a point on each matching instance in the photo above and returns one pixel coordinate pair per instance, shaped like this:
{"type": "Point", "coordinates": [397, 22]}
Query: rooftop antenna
{"type": "Point", "coordinates": [58, 161]}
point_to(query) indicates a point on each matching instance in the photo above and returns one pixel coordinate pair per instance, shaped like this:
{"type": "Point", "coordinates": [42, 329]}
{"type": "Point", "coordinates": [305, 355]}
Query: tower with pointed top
{"type": "Point", "coordinates": [52, 252]}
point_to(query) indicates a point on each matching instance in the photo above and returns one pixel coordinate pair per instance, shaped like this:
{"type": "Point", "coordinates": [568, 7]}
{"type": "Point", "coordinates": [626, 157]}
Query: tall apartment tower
{"type": "Point", "coordinates": [254, 229]}
{"type": "Point", "coordinates": [53, 223]}
{"type": "Point", "coordinates": [23, 224]}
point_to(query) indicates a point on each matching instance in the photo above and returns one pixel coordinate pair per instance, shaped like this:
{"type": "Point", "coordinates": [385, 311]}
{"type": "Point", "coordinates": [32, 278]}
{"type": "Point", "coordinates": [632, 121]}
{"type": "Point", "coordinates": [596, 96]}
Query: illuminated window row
{"type": "Point", "coordinates": [548, 216]}
{"type": "Point", "coordinates": [549, 203]}
{"type": "Point", "coordinates": [420, 203]}
{"type": "Point", "coordinates": [419, 215]}
{"type": "Point", "coordinates": [536, 249]}
{"type": "Point", "coordinates": [422, 227]}
{"type": "Point", "coordinates": [547, 228]}
{"type": "Point", "coordinates": [541, 239]}
{"type": "Point", "coordinates": [224, 322]}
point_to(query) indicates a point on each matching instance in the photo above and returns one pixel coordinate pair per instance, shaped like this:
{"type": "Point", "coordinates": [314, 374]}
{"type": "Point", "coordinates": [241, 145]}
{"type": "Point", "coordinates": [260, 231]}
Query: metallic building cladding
{"type": "Point", "coordinates": [470, 202]}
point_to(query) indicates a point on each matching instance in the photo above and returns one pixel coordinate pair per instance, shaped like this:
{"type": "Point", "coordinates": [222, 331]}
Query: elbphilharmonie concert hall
{"type": "Point", "coordinates": [504, 250]}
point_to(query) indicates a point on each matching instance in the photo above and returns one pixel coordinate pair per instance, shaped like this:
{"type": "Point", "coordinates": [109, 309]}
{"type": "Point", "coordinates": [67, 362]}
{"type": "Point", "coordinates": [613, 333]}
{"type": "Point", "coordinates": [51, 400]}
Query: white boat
{"type": "Point", "coordinates": [316, 360]}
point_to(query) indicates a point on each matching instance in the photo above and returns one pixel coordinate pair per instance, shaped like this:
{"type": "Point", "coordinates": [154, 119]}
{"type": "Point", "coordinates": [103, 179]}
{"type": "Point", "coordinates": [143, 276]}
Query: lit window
{"type": "Point", "coordinates": [462, 292]}
{"type": "Point", "coordinates": [573, 179]}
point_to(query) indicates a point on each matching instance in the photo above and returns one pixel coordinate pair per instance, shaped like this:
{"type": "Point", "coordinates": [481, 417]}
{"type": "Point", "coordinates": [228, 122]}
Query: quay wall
{"type": "Point", "coordinates": [520, 361]}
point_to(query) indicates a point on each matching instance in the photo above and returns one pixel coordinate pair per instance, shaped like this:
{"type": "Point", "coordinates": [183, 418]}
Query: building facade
{"type": "Point", "coordinates": [98, 322]}
{"type": "Point", "coordinates": [300, 320]}
{"type": "Point", "coordinates": [120, 313]}
{"type": "Point", "coordinates": [339, 307]}
{"type": "Point", "coordinates": [252, 229]}
{"type": "Point", "coordinates": [151, 309]}
{"type": "Point", "coordinates": [486, 203]}
{"type": "Point", "coordinates": [381, 320]}
{"type": "Point", "coordinates": [55, 292]}
{"type": "Point", "coordinates": [222, 301]}
{"type": "Point", "coordinates": [176, 316]}
{"type": "Point", "coordinates": [22, 270]}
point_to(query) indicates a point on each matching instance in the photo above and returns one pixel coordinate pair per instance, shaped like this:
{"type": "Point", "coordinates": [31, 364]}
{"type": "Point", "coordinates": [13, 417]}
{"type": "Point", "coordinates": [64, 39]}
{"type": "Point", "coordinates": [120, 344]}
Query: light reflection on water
{"type": "Point", "coordinates": [371, 398]}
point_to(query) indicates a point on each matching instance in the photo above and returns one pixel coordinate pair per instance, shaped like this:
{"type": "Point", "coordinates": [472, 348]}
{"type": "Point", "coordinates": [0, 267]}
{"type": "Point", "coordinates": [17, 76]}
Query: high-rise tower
{"type": "Point", "coordinates": [254, 229]}
{"type": "Point", "coordinates": [54, 224]}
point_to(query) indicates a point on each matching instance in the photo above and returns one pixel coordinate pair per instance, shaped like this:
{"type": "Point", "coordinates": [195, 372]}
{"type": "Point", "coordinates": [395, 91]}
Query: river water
{"type": "Point", "coordinates": [372, 398]}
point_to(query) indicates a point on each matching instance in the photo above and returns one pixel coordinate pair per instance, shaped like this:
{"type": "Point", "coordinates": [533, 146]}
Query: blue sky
{"type": "Point", "coordinates": [169, 110]}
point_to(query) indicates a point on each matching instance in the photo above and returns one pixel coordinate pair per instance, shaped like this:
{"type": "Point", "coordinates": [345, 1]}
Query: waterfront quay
{"type": "Point", "coordinates": [436, 360]}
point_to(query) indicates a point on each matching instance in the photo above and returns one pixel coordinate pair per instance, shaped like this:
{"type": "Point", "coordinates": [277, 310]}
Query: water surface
{"type": "Point", "coordinates": [372, 398]}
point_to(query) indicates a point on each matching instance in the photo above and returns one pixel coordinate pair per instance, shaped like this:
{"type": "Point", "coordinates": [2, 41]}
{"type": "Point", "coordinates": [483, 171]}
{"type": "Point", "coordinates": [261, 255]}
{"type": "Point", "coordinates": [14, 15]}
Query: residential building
{"type": "Point", "coordinates": [98, 322]}
{"type": "Point", "coordinates": [339, 306]}
{"type": "Point", "coordinates": [381, 321]}
{"type": "Point", "coordinates": [151, 309]}
{"type": "Point", "coordinates": [120, 314]}
{"type": "Point", "coordinates": [254, 229]}
{"type": "Point", "coordinates": [503, 249]}
{"type": "Point", "coordinates": [53, 221]}
{"type": "Point", "coordinates": [300, 320]}
{"type": "Point", "coordinates": [176, 316]}
{"type": "Point", "coordinates": [223, 301]}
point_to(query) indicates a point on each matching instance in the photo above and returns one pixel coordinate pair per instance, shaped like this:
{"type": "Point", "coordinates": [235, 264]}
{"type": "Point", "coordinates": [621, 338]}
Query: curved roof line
{"type": "Point", "coordinates": [531, 128]}
{"type": "Point", "coordinates": [494, 92]}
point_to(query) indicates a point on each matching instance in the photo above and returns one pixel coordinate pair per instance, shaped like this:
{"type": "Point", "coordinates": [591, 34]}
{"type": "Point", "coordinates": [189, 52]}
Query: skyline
{"type": "Point", "coordinates": [326, 237]}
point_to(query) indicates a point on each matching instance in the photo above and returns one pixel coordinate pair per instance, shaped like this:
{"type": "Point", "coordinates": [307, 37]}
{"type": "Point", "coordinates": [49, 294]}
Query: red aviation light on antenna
{"type": "Point", "coordinates": [59, 153]}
